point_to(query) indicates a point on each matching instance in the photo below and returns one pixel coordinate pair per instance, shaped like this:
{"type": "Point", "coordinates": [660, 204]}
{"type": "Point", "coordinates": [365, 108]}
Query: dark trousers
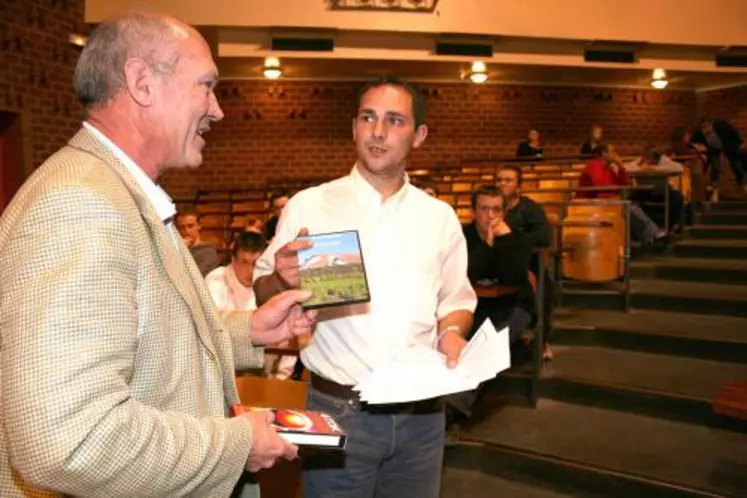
{"type": "Point", "coordinates": [736, 162]}
{"type": "Point", "coordinates": [389, 454]}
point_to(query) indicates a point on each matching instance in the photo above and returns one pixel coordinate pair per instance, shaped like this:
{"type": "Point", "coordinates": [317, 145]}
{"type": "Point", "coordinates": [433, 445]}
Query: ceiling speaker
{"type": "Point", "coordinates": [465, 49]}
{"type": "Point", "coordinates": [619, 56]}
{"type": "Point", "coordinates": [303, 44]}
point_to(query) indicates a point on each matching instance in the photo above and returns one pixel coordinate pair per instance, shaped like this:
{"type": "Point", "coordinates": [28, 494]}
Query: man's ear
{"type": "Point", "coordinates": [420, 135]}
{"type": "Point", "coordinates": [354, 133]}
{"type": "Point", "coordinates": [139, 82]}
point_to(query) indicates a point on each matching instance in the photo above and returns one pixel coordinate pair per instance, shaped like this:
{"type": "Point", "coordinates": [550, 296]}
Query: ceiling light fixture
{"type": "Point", "coordinates": [78, 40]}
{"type": "Point", "coordinates": [272, 69]}
{"type": "Point", "coordinates": [659, 79]}
{"type": "Point", "coordinates": [478, 73]}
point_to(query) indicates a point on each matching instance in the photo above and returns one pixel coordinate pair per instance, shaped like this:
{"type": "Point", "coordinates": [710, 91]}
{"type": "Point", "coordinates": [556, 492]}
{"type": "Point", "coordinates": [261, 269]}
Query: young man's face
{"type": "Point", "coordinates": [243, 266]}
{"type": "Point", "coordinates": [508, 182]}
{"type": "Point", "coordinates": [189, 229]}
{"type": "Point", "coordinates": [488, 208]}
{"type": "Point", "coordinates": [385, 131]}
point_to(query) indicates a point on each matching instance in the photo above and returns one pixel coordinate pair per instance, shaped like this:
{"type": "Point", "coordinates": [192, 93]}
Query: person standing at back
{"type": "Point", "coordinates": [117, 371]}
{"type": "Point", "coordinates": [415, 257]}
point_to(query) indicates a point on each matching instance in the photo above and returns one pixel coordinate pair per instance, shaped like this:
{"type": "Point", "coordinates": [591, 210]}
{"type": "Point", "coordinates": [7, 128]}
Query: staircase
{"type": "Point", "coordinates": [625, 407]}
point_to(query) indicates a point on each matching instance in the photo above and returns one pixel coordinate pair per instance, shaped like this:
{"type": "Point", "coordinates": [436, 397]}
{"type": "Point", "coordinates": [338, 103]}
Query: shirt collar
{"type": "Point", "coordinates": [158, 198]}
{"type": "Point", "coordinates": [369, 196]}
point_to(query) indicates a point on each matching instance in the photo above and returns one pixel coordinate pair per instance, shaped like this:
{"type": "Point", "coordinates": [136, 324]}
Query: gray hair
{"type": "Point", "coordinates": [99, 73]}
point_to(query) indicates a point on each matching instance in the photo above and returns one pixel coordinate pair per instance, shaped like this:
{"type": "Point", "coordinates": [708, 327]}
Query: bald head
{"type": "Point", "coordinates": [149, 36]}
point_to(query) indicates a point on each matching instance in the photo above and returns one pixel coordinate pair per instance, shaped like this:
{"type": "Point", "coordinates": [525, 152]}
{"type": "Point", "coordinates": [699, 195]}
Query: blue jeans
{"type": "Point", "coordinates": [388, 454]}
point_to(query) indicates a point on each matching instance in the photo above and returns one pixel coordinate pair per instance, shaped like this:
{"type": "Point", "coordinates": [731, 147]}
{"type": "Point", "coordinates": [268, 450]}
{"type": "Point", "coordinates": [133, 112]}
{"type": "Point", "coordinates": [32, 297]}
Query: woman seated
{"type": "Point", "coordinates": [605, 169]}
{"type": "Point", "coordinates": [531, 147]}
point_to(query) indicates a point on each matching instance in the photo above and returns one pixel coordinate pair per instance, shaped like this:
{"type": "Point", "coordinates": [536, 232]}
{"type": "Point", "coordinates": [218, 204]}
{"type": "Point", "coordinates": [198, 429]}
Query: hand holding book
{"type": "Point", "coordinates": [267, 445]}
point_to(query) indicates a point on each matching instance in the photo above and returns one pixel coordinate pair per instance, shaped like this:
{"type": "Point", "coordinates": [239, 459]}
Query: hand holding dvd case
{"type": "Point", "coordinates": [333, 270]}
{"type": "Point", "coordinates": [303, 428]}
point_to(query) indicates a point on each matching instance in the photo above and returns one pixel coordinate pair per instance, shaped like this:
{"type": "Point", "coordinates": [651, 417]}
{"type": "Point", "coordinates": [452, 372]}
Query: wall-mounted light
{"type": "Point", "coordinates": [659, 79]}
{"type": "Point", "coordinates": [78, 40]}
{"type": "Point", "coordinates": [272, 69]}
{"type": "Point", "coordinates": [478, 73]}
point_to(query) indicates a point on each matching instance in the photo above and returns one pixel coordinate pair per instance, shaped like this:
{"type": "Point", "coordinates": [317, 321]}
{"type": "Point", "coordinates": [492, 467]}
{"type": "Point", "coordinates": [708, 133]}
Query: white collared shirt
{"type": "Point", "coordinates": [415, 257]}
{"type": "Point", "coordinates": [160, 200]}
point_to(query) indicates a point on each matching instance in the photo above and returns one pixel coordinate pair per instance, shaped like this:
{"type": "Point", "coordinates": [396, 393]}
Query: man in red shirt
{"type": "Point", "coordinates": [605, 169]}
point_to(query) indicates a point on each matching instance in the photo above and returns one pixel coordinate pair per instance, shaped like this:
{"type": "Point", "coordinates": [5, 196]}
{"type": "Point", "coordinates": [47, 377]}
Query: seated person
{"type": "Point", "coordinates": [497, 256]}
{"type": "Point", "coordinates": [605, 169]}
{"type": "Point", "coordinates": [277, 202]}
{"type": "Point", "coordinates": [655, 160]}
{"type": "Point", "coordinates": [231, 289]}
{"type": "Point", "coordinates": [596, 135]}
{"type": "Point", "coordinates": [526, 217]}
{"type": "Point", "coordinates": [530, 147]}
{"type": "Point", "coordinates": [205, 254]}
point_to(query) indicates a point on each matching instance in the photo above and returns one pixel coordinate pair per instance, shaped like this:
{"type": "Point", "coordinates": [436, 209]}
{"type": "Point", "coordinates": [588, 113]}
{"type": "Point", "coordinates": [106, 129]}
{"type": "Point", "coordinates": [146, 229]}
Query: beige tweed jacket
{"type": "Point", "coordinates": [116, 369]}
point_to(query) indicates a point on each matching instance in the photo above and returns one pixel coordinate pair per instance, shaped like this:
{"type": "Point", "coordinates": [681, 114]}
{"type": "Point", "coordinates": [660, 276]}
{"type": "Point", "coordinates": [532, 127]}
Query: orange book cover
{"type": "Point", "coordinates": [302, 428]}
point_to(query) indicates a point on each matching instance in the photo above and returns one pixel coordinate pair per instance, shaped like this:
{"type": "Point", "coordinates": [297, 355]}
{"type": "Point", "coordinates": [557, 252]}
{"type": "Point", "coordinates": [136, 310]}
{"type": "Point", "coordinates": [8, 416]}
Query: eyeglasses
{"type": "Point", "coordinates": [490, 209]}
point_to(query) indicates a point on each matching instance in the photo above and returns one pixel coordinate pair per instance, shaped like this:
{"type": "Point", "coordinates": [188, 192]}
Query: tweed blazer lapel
{"type": "Point", "coordinates": [172, 256]}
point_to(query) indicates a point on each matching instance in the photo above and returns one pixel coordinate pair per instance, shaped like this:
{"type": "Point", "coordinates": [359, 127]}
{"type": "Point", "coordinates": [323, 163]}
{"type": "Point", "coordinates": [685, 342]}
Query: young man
{"type": "Point", "coordinates": [416, 263]}
{"type": "Point", "coordinates": [231, 288]}
{"type": "Point", "coordinates": [527, 218]}
{"type": "Point", "coordinates": [205, 254]}
{"type": "Point", "coordinates": [117, 370]}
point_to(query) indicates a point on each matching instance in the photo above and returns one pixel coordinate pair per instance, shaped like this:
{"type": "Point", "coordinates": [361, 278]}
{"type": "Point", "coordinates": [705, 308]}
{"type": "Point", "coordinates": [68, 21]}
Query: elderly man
{"type": "Point", "coordinates": [416, 263]}
{"type": "Point", "coordinates": [117, 371]}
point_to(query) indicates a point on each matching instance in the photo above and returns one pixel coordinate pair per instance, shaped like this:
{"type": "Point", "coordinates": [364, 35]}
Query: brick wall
{"type": "Point", "coordinates": [36, 70]}
{"type": "Point", "coordinates": [303, 129]}
{"type": "Point", "coordinates": [729, 104]}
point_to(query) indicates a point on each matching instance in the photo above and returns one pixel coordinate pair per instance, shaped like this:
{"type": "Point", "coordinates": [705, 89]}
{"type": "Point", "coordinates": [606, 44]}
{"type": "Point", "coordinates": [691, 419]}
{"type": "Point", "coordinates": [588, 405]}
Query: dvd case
{"type": "Point", "coordinates": [333, 270]}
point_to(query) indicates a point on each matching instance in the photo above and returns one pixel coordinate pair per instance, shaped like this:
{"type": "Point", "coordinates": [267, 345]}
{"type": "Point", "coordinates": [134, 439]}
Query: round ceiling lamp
{"type": "Point", "coordinates": [272, 69]}
{"type": "Point", "coordinates": [478, 73]}
{"type": "Point", "coordinates": [659, 79]}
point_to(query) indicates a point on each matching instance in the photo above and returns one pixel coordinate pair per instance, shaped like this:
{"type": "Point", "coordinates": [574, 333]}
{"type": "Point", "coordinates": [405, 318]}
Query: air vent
{"type": "Point", "coordinates": [619, 56]}
{"type": "Point", "coordinates": [465, 49]}
{"type": "Point", "coordinates": [731, 60]}
{"type": "Point", "coordinates": [304, 44]}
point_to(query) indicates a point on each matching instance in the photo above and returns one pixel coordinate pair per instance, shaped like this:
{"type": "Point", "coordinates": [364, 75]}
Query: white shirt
{"type": "Point", "coordinates": [228, 293]}
{"type": "Point", "coordinates": [415, 257]}
{"type": "Point", "coordinates": [160, 200]}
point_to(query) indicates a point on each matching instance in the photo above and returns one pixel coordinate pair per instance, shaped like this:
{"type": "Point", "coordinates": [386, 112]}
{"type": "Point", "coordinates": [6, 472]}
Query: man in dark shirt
{"type": "Point", "coordinates": [720, 137]}
{"type": "Point", "coordinates": [526, 217]}
{"type": "Point", "coordinates": [498, 259]}
{"type": "Point", "coordinates": [497, 256]}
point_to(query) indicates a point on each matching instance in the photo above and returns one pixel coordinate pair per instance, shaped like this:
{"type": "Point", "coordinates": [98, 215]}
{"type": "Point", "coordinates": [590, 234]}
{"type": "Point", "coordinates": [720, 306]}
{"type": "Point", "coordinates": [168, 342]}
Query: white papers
{"type": "Point", "coordinates": [420, 372]}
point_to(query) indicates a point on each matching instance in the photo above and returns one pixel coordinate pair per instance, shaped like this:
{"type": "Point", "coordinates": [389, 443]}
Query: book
{"type": "Point", "coordinates": [333, 270]}
{"type": "Point", "coordinates": [303, 428]}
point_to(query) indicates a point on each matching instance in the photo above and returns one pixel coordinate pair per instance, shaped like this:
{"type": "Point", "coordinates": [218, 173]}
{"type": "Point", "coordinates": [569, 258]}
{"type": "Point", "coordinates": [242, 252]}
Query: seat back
{"type": "Point", "coordinates": [595, 233]}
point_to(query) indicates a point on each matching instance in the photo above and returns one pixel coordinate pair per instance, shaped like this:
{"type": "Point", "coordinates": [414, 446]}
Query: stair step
{"type": "Point", "coordinates": [689, 297]}
{"type": "Point", "coordinates": [720, 249]}
{"type": "Point", "coordinates": [611, 452]}
{"type": "Point", "coordinates": [654, 384]}
{"type": "Point", "coordinates": [721, 218]}
{"type": "Point", "coordinates": [722, 271]}
{"type": "Point", "coordinates": [725, 206]}
{"type": "Point", "coordinates": [717, 232]}
{"type": "Point", "coordinates": [460, 483]}
{"type": "Point", "coordinates": [712, 337]}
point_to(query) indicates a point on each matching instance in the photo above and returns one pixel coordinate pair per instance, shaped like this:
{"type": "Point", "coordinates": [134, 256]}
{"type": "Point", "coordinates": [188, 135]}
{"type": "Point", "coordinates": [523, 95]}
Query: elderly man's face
{"type": "Point", "coordinates": [186, 104]}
